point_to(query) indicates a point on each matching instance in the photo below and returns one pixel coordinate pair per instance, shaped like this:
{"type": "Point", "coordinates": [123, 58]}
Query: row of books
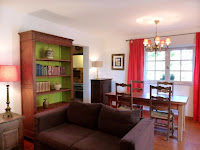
{"type": "Point", "coordinates": [49, 70]}
{"type": "Point", "coordinates": [43, 86]}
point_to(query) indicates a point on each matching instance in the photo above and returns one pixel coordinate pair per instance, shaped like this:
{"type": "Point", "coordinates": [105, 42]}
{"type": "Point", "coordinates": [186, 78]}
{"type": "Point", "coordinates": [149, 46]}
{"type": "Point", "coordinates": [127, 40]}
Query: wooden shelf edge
{"type": "Point", "coordinates": [53, 76]}
{"type": "Point", "coordinates": [44, 59]}
{"type": "Point", "coordinates": [52, 91]}
{"type": "Point", "coordinates": [51, 106]}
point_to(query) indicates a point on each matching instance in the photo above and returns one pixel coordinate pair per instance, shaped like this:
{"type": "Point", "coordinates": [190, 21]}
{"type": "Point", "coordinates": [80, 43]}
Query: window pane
{"type": "Point", "coordinates": [175, 75]}
{"type": "Point", "coordinates": [187, 54]}
{"type": "Point", "coordinates": [150, 56]}
{"type": "Point", "coordinates": [174, 65]}
{"type": "Point", "coordinates": [160, 75]}
{"type": "Point", "coordinates": [186, 65]}
{"type": "Point", "coordinates": [150, 65]}
{"type": "Point", "coordinates": [150, 75]}
{"type": "Point", "coordinates": [160, 65]}
{"type": "Point", "coordinates": [160, 56]}
{"type": "Point", "coordinates": [175, 55]}
{"type": "Point", "coordinates": [186, 76]}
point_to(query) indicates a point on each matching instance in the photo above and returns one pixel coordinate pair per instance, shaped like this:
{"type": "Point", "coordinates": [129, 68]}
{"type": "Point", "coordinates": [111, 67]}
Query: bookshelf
{"type": "Point", "coordinates": [33, 45]}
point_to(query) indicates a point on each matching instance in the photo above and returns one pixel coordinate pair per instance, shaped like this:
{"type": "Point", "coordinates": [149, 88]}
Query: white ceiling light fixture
{"type": "Point", "coordinates": [159, 44]}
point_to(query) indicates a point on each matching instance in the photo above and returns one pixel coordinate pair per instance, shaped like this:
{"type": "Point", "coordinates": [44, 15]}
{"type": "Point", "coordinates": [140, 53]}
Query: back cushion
{"type": "Point", "coordinates": [117, 122]}
{"type": "Point", "coordinates": [84, 114]}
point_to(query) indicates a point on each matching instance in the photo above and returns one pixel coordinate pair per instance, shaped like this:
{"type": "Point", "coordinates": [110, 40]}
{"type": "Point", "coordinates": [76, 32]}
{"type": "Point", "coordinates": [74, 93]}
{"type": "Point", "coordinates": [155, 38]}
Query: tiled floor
{"type": "Point", "coordinates": [191, 138]}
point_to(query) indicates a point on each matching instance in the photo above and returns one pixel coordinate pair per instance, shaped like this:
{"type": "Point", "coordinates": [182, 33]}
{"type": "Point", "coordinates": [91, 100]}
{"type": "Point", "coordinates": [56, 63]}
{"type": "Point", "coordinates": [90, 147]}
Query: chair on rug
{"type": "Point", "coordinates": [138, 86]}
{"type": "Point", "coordinates": [160, 109]}
{"type": "Point", "coordinates": [165, 84]}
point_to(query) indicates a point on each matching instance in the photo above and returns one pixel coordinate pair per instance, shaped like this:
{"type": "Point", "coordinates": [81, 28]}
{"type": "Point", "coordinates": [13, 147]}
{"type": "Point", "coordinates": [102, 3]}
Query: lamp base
{"type": "Point", "coordinates": [7, 114]}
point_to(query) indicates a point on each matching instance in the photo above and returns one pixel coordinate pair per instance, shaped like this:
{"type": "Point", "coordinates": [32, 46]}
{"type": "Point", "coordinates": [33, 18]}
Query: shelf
{"type": "Point", "coordinates": [53, 76]}
{"type": "Point", "coordinates": [45, 59]}
{"type": "Point", "coordinates": [51, 106]}
{"type": "Point", "coordinates": [52, 91]}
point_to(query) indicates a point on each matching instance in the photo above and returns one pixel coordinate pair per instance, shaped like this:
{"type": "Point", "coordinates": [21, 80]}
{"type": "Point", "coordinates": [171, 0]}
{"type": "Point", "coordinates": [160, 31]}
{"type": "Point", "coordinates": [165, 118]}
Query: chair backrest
{"type": "Point", "coordinates": [137, 85]}
{"type": "Point", "coordinates": [124, 97]}
{"type": "Point", "coordinates": [166, 84]}
{"type": "Point", "coordinates": [160, 102]}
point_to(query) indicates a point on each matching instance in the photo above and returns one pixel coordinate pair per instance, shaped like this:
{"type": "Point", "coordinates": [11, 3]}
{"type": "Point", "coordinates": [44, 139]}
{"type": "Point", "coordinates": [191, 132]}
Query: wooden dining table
{"type": "Point", "coordinates": [177, 103]}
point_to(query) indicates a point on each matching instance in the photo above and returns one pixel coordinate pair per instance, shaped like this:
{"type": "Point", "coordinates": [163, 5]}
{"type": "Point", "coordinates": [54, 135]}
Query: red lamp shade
{"type": "Point", "coordinates": [9, 73]}
{"type": "Point", "coordinates": [168, 40]}
{"type": "Point", "coordinates": [162, 43]}
{"type": "Point", "coordinates": [157, 40]}
{"type": "Point", "coordinates": [145, 42]}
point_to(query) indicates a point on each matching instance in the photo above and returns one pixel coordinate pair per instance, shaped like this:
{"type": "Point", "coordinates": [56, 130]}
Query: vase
{"type": "Point", "coordinates": [49, 53]}
{"type": "Point", "coordinates": [57, 86]}
{"type": "Point", "coordinates": [45, 103]}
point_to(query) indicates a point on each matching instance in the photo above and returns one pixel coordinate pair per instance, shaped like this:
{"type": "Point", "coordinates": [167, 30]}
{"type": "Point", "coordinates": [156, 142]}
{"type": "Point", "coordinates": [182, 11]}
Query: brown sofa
{"type": "Point", "coordinates": [83, 126]}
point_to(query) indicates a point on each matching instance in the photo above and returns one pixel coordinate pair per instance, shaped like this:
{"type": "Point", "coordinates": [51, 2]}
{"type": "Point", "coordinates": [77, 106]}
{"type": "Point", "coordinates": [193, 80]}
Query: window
{"type": "Point", "coordinates": [171, 65]}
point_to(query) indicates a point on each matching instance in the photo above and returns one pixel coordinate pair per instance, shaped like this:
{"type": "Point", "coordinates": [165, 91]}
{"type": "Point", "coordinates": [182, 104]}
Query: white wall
{"type": "Point", "coordinates": [11, 23]}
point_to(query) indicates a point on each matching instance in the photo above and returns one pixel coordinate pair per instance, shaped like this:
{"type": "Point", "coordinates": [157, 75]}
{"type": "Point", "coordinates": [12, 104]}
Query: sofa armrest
{"type": "Point", "coordinates": [49, 119]}
{"type": "Point", "coordinates": [141, 137]}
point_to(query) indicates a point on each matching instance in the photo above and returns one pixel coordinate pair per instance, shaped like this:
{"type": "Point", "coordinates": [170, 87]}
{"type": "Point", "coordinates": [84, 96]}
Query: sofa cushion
{"type": "Point", "coordinates": [84, 114]}
{"type": "Point", "coordinates": [117, 122]}
{"type": "Point", "coordinates": [63, 136]}
{"type": "Point", "coordinates": [98, 141]}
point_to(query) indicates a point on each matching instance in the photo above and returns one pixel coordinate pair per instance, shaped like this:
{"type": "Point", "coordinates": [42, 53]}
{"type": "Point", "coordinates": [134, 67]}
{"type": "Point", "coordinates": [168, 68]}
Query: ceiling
{"type": "Point", "coordinates": [122, 17]}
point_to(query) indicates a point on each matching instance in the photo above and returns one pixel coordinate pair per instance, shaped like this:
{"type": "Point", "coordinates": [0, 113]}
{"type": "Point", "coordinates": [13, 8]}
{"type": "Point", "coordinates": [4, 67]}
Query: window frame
{"type": "Point", "coordinates": [167, 65]}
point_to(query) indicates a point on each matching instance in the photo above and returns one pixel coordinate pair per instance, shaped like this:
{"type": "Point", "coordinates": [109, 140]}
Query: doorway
{"type": "Point", "coordinates": [78, 72]}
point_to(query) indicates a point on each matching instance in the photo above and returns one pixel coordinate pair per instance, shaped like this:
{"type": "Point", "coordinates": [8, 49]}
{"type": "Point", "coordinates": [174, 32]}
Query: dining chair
{"type": "Point", "coordinates": [124, 99]}
{"type": "Point", "coordinates": [138, 86]}
{"type": "Point", "coordinates": [160, 109]}
{"type": "Point", "coordinates": [165, 84]}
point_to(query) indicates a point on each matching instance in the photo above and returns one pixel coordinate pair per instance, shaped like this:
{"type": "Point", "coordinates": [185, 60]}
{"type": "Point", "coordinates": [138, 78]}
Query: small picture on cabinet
{"type": "Point", "coordinates": [117, 61]}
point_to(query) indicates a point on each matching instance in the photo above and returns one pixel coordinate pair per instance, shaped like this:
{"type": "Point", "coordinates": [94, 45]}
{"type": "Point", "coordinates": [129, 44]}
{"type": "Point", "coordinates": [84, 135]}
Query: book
{"type": "Point", "coordinates": [40, 70]}
{"type": "Point", "coordinates": [49, 70]}
{"type": "Point", "coordinates": [38, 87]}
{"type": "Point", "coordinates": [37, 69]}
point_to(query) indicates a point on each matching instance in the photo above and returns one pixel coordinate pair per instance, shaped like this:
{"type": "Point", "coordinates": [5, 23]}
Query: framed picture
{"type": "Point", "coordinates": [117, 61]}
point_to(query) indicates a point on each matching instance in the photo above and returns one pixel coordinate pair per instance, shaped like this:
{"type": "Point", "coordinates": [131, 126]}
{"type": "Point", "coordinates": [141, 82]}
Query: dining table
{"type": "Point", "coordinates": [142, 98]}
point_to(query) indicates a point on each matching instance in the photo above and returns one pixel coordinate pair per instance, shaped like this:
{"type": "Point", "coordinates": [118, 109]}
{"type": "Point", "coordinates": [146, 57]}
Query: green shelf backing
{"type": "Point", "coordinates": [54, 98]}
{"type": "Point", "coordinates": [60, 53]}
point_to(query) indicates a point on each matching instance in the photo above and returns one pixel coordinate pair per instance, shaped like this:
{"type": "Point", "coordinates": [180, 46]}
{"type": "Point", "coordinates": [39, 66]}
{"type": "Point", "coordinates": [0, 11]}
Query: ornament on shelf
{"type": "Point", "coordinates": [57, 86]}
{"type": "Point", "coordinates": [45, 103]}
{"type": "Point", "coordinates": [49, 53]}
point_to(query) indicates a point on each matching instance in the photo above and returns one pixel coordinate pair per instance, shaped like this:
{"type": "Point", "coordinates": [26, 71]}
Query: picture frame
{"type": "Point", "coordinates": [118, 61]}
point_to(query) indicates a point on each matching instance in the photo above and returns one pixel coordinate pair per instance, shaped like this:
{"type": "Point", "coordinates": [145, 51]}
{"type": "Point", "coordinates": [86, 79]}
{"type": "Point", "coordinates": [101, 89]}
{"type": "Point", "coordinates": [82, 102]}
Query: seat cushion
{"type": "Point", "coordinates": [160, 115]}
{"type": "Point", "coordinates": [83, 114]}
{"type": "Point", "coordinates": [117, 122]}
{"type": "Point", "coordinates": [98, 141]}
{"type": "Point", "coordinates": [63, 136]}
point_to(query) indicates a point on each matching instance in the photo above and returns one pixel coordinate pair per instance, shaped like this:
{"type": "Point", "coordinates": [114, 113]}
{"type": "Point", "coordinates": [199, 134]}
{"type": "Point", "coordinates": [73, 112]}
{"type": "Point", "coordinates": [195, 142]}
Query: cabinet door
{"type": "Point", "coordinates": [95, 92]}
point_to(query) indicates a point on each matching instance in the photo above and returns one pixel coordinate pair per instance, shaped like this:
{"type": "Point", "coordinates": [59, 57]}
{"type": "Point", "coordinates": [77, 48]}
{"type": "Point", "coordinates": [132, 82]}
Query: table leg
{"type": "Point", "coordinates": [180, 122]}
{"type": "Point", "coordinates": [184, 118]}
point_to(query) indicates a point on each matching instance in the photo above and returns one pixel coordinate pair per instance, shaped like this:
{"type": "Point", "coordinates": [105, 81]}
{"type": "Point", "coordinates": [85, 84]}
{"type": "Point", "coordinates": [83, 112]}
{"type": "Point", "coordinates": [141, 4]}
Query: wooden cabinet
{"type": "Point", "coordinates": [33, 46]}
{"type": "Point", "coordinates": [98, 89]}
{"type": "Point", "coordinates": [11, 132]}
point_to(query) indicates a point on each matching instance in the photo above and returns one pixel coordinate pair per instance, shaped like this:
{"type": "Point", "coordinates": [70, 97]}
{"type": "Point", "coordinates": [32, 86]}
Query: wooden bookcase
{"type": "Point", "coordinates": [33, 45]}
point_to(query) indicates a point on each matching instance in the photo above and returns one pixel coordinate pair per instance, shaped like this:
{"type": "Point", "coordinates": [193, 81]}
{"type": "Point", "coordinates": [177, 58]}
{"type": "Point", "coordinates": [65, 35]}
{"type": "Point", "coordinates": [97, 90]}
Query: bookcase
{"type": "Point", "coordinates": [33, 45]}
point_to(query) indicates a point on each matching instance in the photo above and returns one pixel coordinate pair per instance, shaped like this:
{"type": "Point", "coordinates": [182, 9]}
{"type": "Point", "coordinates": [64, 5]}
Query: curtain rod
{"type": "Point", "coordinates": [166, 36]}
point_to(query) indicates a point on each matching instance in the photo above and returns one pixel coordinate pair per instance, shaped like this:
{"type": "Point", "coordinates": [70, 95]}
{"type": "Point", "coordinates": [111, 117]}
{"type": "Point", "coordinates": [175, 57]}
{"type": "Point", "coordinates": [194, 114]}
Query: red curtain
{"type": "Point", "coordinates": [136, 61]}
{"type": "Point", "coordinates": [196, 87]}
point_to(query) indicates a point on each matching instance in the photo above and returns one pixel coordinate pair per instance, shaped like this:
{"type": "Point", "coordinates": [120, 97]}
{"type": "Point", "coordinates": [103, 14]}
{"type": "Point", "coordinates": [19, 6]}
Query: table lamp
{"type": "Point", "coordinates": [8, 73]}
{"type": "Point", "coordinates": [97, 64]}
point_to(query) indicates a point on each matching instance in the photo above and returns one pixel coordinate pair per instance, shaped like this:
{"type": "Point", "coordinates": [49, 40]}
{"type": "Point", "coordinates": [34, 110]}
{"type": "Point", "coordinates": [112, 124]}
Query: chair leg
{"type": "Point", "coordinates": [168, 130]}
{"type": "Point", "coordinates": [141, 111]}
{"type": "Point", "coordinates": [172, 125]}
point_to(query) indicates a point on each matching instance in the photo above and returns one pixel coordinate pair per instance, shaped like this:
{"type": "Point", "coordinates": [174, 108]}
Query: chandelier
{"type": "Point", "coordinates": [160, 45]}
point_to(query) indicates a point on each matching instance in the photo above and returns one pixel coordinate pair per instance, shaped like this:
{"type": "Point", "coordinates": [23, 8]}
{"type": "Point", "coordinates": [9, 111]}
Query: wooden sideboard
{"type": "Point", "coordinates": [99, 87]}
{"type": "Point", "coordinates": [11, 132]}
